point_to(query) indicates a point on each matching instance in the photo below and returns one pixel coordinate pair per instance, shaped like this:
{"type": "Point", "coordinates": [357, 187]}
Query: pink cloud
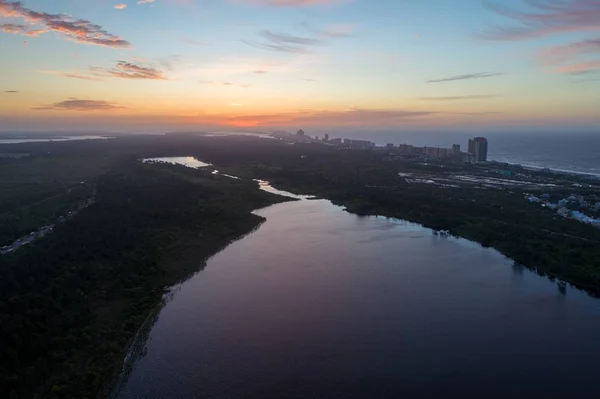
{"type": "Point", "coordinates": [74, 104]}
{"type": "Point", "coordinates": [549, 18]}
{"type": "Point", "coordinates": [78, 30]}
{"type": "Point", "coordinates": [123, 69]}
{"type": "Point", "coordinates": [558, 54]}
{"type": "Point", "coordinates": [19, 29]}
{"type": "Point", "coordinates": [579, 68]}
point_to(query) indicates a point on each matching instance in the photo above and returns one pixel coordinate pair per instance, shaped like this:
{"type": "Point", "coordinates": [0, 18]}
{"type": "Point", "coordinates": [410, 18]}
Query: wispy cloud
{"type": "Point", "coordinates": [11, 91]}
{"type": "Point", "coordinates": [223, 83]}
{"type": "Point", "coordinates": [570, 58]}
{"type": "Point", "coordinates": [145, 1]}
{"type": "Point", "coordinates": [300, 44]}
{"type": "Point", "coordinates": [74, 104]}
{"type": "Point", "coordinates": [284, 42]}
{"type": "Point", "coordinates": [458, 98]}
{"type": "Point", "coordinates": [19, 29]}
{"type": "Point", "coordinates": [78, 30]}
{"type": "Point", "coordinates": [466, 77]}
{"type": "Point", "coordinates": [74, 75]}
{"type": "Point", "coordinates": [123, 70]}
{"type": "Point", "coordinates": [579, 68]}
{"type": "Point", "coordinates": [547, 17]}
{"type": "Point", "coordinates": [353, 116]}
{"type": "Point", "coordinates": [332, 31]}
{"type": "Point", "coordinates": [551, 18]}
{"type": "Point", "coordinates": [590, 80]}
{"type": "Point", "coordinates": [120, 6]}
{"type": "Point", "coordinates": [195, 42]}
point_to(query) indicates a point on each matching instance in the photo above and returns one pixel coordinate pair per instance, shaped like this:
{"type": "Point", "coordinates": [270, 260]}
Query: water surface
{"type": "Point", "coordinates": [319, 303]}
{"type": "Point", "coordinates": [185, 161]}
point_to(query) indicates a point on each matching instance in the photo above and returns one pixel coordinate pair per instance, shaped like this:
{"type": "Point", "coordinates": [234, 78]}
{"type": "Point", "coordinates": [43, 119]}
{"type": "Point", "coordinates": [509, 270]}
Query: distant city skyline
{"type": "Point", "coordinates": [320, 65]}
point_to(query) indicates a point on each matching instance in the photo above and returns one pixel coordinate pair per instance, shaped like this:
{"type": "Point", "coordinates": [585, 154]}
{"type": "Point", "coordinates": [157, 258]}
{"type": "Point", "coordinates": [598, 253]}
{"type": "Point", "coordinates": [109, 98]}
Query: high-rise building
{"type": "Point", "coordinates": [471, 147]}
{"type": "Point", "coordinates": [456, 149]}
{"type": "Point", "coordinates": [326, 137]}
{"type": "Point", "coordinates": [480, 149]}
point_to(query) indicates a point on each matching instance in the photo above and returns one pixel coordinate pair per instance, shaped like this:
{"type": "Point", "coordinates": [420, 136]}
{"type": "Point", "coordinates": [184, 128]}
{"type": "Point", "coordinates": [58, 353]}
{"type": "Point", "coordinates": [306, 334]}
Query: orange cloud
{"type": "Point", "coordinates": [78, 30]}
{"type": "Point", "coordinates": [74, 104]}
{"type": "Point", "coordinates": [19, 29]}
{"type": "Point", "coordinates": [123, 69]}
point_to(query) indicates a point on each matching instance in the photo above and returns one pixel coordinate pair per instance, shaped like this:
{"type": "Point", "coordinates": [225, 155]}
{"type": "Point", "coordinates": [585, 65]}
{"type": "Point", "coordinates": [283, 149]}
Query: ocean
{"type": "Point", "coordinates": [577, 153]}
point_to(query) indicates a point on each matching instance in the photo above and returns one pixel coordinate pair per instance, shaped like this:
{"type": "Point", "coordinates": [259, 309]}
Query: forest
{"type": "Point", "coordinates": [70, 302]}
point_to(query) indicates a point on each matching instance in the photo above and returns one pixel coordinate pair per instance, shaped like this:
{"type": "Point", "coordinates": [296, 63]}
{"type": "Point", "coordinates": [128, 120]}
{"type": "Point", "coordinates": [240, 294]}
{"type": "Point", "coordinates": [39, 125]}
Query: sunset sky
{"type": "Point", "coordinates": [136, 65]}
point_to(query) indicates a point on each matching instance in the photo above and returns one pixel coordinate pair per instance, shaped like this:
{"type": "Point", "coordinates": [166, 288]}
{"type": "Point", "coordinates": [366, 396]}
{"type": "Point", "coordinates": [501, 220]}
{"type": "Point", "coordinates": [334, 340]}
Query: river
{"type": "Point", "coordinates": [320, 303]}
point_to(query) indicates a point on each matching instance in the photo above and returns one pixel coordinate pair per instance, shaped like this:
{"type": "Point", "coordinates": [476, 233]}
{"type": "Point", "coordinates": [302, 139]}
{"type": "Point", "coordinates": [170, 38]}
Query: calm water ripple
{"type": "Point", "coordinates": [319, 303]}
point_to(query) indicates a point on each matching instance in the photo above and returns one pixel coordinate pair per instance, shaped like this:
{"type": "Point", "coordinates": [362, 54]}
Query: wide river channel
{"type": "Point", "coordinates": [320, 303]}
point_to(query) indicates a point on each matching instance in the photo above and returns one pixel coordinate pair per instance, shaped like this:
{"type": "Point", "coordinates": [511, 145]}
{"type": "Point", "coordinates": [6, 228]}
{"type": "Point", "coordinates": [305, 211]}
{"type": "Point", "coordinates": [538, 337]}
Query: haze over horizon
{"type": "Point", "coordinates": [269, 64]}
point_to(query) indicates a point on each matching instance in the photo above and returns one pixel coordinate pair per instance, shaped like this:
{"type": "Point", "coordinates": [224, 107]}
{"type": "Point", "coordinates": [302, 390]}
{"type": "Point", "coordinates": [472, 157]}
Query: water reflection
{"type": "Point", "coordinates": [185, 161]}
{"type": "Point", "coordinates": [266, 186]}
{"type": "Point", "coordinates": [319, 303]}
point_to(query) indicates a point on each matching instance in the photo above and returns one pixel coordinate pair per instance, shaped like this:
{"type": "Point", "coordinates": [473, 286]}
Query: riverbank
{"type": "Point", "coordinates": [79, 295]}
{"type": "Point", "coordinates": [487, 204]}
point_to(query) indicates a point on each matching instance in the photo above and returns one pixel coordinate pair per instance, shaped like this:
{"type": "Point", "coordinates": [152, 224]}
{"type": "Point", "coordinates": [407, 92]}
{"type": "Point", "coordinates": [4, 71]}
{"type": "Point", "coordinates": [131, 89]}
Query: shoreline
{"type": "Point", "coordinates": [131, 352]}
{"type": "Point", "coordinates": [374, 210]}
{"type": "Point", "coordinates": [537, 168]}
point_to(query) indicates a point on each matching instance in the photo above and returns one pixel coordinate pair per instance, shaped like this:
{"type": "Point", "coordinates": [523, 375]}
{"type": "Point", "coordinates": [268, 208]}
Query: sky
{"type": "Point", "coordinates": [155, 65]}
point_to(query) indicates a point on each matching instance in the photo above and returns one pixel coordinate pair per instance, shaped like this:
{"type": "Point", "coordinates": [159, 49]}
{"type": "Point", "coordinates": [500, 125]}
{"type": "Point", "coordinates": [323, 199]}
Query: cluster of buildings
{"type": "Point", "coordinates": [564, 207]}
{"type": "Point", "coordinates": [477, 151]}
{"type": "Point", "coordinates": [428, 152]}
{"type": "Point", "coordinates": [302, 137]}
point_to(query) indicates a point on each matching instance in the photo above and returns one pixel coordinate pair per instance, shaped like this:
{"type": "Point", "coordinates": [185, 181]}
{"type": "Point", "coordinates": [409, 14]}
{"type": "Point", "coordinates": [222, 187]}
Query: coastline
{"type": "Point", "coordinates": [538, 168]}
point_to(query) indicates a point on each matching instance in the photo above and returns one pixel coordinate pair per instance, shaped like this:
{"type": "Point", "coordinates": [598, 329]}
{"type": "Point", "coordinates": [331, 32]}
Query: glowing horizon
{"type": "Point", "coordinates": [312, 63]}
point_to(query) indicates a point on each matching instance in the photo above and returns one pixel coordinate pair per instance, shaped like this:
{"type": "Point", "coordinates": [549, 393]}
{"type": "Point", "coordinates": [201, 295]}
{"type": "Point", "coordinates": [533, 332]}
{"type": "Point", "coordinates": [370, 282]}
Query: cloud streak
{"type": "Point", "coordinates": [468, 76]}
{"type": "Point", "coordinates": [122, 70]}
{"type": "Point", "coordinates": [548, 17]}
{"type": "Point", "coordinates": [458, 98]}
{"type": "Point", "coordinates": [288, 43]}
{"type": "Point", "coordinates": [353, 116]}
{"type": "Point", "coordinates": [77, 30]}
{"type": "Point", "coordinates": [74, 104]}
{"type": "Point", "coordinates": [19, 29]}
{"type": "Point", "coordinates": [551, 18]}
{"type": "Point", "coordinates": [223, 83]}
{"type": "Point", "coordinates": [570, 58]}
{"type": "Point", "coordinates": [283, 42]}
